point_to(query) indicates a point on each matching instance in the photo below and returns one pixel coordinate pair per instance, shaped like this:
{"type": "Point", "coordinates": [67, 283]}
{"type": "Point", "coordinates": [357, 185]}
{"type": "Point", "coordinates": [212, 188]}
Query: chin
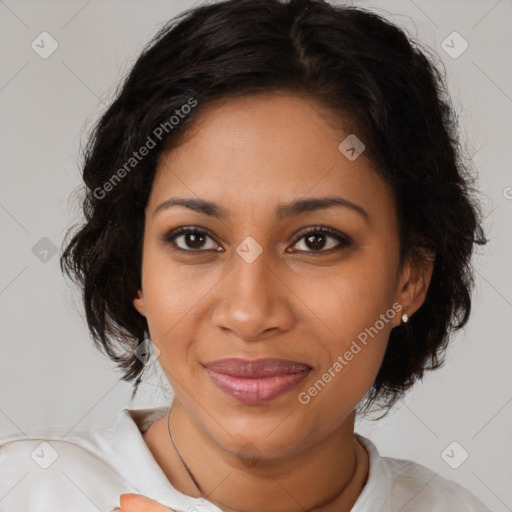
{"type": "Point", "coordinates": [276, 434]}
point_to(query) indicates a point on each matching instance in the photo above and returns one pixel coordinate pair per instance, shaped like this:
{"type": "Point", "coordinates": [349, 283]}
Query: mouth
{"type": "Point", "coordinates": [256, 381]}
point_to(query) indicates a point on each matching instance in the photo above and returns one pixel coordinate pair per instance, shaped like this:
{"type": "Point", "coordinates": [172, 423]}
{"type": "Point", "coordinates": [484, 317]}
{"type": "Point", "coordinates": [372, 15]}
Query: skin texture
{"type": "Point", "coordinates": [293, 301]}
{"type": "Point", "coordinates": [138, 503]}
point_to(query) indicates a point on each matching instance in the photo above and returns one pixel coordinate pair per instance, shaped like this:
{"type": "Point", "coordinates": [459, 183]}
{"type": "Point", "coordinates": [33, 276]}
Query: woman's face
{"type": "Point", "coordinates": [256, 285]}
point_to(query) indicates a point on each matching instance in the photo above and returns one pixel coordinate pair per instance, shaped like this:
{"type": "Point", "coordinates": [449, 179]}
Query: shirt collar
{"type": "Point", "coordinates": [138, 466]}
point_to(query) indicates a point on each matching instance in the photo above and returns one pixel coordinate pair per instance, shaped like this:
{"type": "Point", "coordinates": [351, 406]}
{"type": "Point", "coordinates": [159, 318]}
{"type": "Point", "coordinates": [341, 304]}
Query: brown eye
{"type": "Point", "coordinates": [322, 239]}
{"type": "Point", "coordinates": [191, 239]}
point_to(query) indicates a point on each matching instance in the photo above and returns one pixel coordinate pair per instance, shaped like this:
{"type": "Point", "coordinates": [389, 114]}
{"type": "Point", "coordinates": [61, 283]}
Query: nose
{"type": "Point", "coordinates": [254, 301]}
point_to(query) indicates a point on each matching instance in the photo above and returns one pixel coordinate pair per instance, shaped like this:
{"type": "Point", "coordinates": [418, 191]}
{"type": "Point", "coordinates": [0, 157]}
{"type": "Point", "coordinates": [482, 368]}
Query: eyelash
{"type": "Point", "coordinates": [344, 240]}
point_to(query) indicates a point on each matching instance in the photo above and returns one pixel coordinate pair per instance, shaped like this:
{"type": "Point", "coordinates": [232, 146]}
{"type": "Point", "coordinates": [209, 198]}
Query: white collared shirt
{"type": "Point", "coordinates": [54, 470]}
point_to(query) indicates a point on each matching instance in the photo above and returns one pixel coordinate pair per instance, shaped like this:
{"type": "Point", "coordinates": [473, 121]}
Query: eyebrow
{"type": "Point", "coordinates": [282, 211]}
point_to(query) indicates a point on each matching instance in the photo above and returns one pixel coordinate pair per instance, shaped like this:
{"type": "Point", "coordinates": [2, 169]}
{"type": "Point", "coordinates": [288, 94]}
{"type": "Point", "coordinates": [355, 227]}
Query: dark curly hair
{"type": "Point", "coordinates": [368, 73]}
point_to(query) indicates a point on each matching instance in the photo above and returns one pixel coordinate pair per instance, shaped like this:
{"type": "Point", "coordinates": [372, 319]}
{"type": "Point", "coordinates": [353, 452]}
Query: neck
{"type": "Point", "coordinates": [327, 476]}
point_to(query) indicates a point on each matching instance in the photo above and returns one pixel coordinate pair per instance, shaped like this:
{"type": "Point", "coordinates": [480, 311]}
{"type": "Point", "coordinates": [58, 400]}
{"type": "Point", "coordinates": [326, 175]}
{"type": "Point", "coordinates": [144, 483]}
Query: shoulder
{"type": "Point", "coordinates": [412, 487]}
{"type": "Point", "coordinates": [417, 488]}
{"type": "Point", "coordinates": [43, 470]}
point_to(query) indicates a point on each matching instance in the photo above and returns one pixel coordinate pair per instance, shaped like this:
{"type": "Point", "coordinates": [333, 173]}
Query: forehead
{"type": "Point", "coordinates": [264, 147]}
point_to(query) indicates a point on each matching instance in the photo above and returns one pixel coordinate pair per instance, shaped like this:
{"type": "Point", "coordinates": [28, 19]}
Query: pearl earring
{"type": "Point", "coordinates": [405, 318]}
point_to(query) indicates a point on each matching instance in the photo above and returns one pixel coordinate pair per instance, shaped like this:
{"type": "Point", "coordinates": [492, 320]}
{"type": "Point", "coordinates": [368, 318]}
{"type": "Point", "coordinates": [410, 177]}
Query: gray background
{"type": "Point", "coordinates": [50, 373]}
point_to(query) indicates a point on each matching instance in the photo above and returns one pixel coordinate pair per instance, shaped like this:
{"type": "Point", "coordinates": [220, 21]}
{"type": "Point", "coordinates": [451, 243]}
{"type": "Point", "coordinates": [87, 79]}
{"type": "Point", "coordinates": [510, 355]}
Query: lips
{"type": "Point", "coordinates": [256, 381]}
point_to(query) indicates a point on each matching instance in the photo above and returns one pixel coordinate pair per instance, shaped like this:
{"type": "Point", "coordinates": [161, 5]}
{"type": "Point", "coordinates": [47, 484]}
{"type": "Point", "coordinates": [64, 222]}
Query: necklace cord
{"type": "Point", "coordinates": [179, 454]}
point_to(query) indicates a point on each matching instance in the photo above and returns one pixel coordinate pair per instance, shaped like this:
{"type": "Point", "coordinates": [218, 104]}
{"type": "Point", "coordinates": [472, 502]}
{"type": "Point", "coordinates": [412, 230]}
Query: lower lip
{"type": "Point", "coordinates": [258, 390]}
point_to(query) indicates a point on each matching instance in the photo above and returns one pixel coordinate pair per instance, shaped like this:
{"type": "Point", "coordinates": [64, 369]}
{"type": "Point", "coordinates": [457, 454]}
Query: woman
{"type": "Point", "coordinates": [276, 200]}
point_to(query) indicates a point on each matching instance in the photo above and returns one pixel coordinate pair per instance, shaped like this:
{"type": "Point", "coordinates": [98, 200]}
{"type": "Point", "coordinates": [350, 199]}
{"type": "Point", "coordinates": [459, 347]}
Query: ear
{"type": "Point", "coordinates": [414, 280]}
{"type": "Point", "coordinates": [138, 302]}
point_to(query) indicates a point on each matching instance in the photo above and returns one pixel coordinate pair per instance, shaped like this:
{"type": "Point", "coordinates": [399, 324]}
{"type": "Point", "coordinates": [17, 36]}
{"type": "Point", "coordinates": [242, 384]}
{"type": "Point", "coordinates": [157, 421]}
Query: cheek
{"type": "Point", "coordinates": [355, 303]}
{"type": "Point", "coordinates": [174, 298]}
{"type": "Point", "coordinates": [355, 357]}
{"type": "Point", "coordinates": [169, 289]}
{"type": "Point", "coordinates": [168, 296]}
{"type": "Point", "coordinates": [351, 297]}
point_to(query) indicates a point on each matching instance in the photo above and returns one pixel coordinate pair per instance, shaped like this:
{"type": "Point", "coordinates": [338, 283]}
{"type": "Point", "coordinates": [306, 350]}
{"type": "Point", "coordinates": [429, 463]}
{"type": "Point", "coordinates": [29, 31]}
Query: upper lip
{"type": "Point", "coordinates": [256, 368]}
